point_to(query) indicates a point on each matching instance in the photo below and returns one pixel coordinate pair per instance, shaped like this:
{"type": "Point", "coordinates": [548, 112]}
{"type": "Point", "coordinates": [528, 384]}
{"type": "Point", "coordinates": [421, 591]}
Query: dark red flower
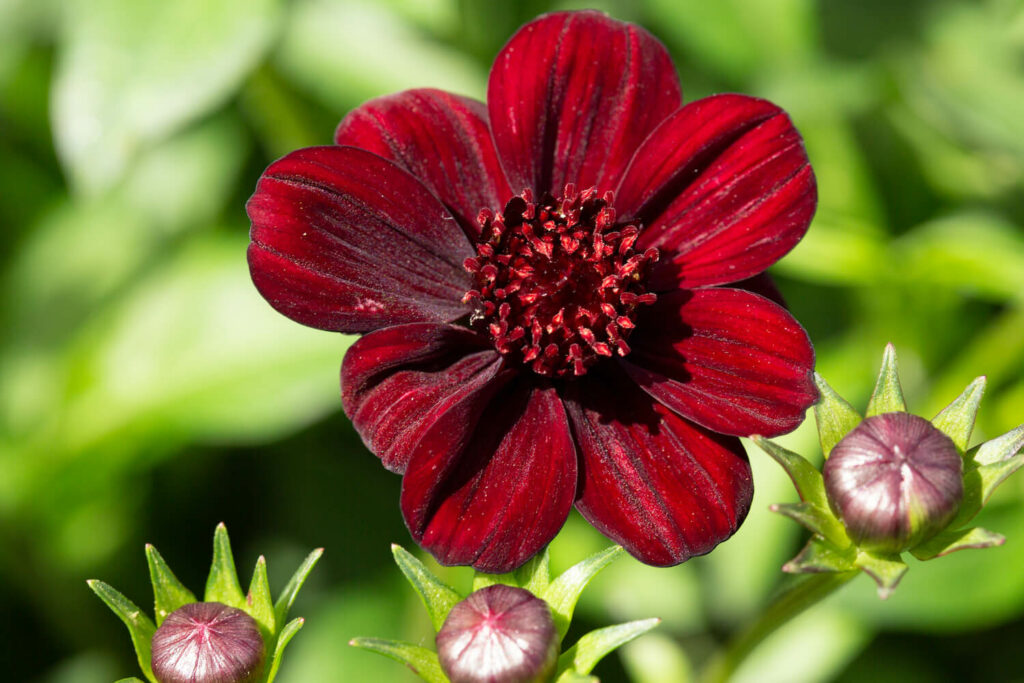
{"type": "Point", "coordinates": [540, 280]}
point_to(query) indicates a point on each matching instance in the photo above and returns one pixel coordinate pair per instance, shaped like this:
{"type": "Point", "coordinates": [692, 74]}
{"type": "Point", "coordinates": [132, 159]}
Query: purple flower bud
{"type": "Point", "coordinates": [895, 480]}
{"type": "Point", "coordinates": [207, 642]}
{"type": "Point", "coordinates": [499, 634]}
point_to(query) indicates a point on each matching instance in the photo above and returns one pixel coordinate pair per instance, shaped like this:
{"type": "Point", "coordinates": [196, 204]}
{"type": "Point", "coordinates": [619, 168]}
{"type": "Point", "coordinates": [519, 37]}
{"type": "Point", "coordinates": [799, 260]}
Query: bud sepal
{"type": "Point", "coordinates": [267, 618]}
{"type": "Point", "coordinates": [534, 586]}
{"type": "Point", "coordinates": [893, 482]}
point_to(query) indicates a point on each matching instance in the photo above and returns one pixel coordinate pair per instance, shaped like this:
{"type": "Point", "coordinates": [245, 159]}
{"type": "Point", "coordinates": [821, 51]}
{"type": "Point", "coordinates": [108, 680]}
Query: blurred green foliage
{"type": "Point", "coordinates": [147, 392]}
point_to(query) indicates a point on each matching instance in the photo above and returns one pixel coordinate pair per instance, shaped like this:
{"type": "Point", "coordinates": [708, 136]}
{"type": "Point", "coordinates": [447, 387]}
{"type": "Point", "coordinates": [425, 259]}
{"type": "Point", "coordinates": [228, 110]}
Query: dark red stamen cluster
{"type": "Point", "coordinates": [558, 284]}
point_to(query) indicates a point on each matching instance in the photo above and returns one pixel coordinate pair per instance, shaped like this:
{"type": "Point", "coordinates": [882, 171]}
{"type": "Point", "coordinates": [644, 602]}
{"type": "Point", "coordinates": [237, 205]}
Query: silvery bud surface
{"type": "Point", "coordinates": [208, 642]}
{"type": "Point", "coordinates": [499, 634]}
{"type": "Point", "coordinates": [894, 480]}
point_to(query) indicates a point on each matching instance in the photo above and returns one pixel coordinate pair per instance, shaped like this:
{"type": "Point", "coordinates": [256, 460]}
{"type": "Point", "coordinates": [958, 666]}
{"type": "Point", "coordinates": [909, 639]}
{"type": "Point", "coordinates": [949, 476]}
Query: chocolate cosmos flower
{"type": "Point", "coordinates": [540, 284]}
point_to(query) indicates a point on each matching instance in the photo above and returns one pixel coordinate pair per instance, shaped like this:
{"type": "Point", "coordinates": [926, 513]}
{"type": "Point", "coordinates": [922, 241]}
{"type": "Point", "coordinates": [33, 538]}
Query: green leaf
{"type": "Point", "coordinates": [563, 593]}
{"type": "Point", "coordinates": [888, 394]}
{"type": "Point", "coordinates": [820, 556]}
{"type": "Point", "coordinates": [833, 415]}
{"type": "Point", "coordinates": [437, 596]}
{"type": "Point", "coordinates": [287, 633]}
{"type": "Point", "coordinates": [139, 625]}
{"type": "Point", "coordinates": [948, 542]}
{"type": "Point", "coordinates": [886, 570]}
{"type": "Point", "coordinates": [535, 575]}
{"type": "Point", "coordinates": [168, 593]}
{"type": "Point", "coordinates": [259, 604]}
{"type": "Point", "coordinates": [222, 584]}
{"type": "Point", "coordinates": [805, 476]}
{"type": "Point", "coordinates": [957, 419]}
{"type": "Point", "coordinates": [422, 661]}
{"type": "Point", "coordinates": [287, 597]}
{"type": "Point", "coordinates": [131, 73]}
{"type": "Point", "coordinates": [582, 657]}
{"type": "Point", "coordinates": [821, 522]}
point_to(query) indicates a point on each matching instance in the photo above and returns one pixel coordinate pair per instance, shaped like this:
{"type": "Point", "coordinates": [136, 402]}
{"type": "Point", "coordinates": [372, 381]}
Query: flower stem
{"type": "Point", "coordinates": [791, 602]}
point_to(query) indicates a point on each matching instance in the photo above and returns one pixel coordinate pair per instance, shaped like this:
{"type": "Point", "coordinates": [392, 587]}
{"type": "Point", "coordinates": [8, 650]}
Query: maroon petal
{"type": "Point", "coordinates": [495, 501]}
{"type": "Point", "coordinates": [396, 382]}
{"type": "Point", "coordinates": [662, 487]}
{"type": "Point", "coordinates": [727, 359]}
{"type": "Point", "coordinates": [345, 240]}
{"type": "Point", "coordinates": [571, 97]}
{"type": "Point", "coordinates": [442, 139]}
{"type": "Point", "coordinates": [725, 190]}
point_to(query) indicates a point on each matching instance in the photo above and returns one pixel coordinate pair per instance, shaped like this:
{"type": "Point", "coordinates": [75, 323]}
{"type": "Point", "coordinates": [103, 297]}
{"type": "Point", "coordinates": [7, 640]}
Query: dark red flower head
{"type": "Point", "coordinates": [541, 280]}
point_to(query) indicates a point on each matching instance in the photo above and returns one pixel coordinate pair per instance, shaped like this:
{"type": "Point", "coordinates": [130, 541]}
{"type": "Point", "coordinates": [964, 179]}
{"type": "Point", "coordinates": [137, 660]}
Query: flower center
{"type": "Point", "coordinates": [557, 284]}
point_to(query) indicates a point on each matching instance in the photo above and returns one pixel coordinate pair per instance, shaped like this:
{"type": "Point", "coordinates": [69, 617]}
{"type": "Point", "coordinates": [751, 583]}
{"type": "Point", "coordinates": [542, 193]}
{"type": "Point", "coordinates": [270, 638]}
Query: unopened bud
{"type": "Point", "coordinates": [895, 480]}
{"type": "Point", "coordinates": [208, 642]}
{"type": "Point", "coordinates": [499, 634]}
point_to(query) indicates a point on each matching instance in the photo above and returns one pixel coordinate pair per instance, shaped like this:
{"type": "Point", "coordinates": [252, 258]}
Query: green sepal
{"type": "Point", "coordinates": [888, 394]}
{"type": "Point", "coordinates": [957, 419]}
{"type": "Point", "coordinates": [948, 542]}
{"type": "Point", "coordinates": [422, 661]}
{"type": "Point", "coordinates": [291, 589]}
{"type": "Point", "coordinates": [819, 521]}
{"type": "Point", "coordinates": [222, 584]}
{"type": "Point", "coordinates": [483, 580]}
{"type": "Point", "coordinates": [168, 592]}
{"type": "Point", "coordinates": [437, 596]}
{"type": "Point", "coordinates": [563, 593]}
{"type": "Point", "coordinates": [1000, 448]}
{"type": "Point", "coordinates": [985, 468]}
{"type": "Point", "coordinates": [582, 657]}
{"type": "Point", "coordinates": [535, 575]}
{"type": "Point", "coordinates": [821, 556]}
{"type": "Point", "coordinates": [806, 477]}
{"type": "Point", "coordinates": [139, 625]}
{"type": "Point", "coordinates": [129, 680]}
{"type": "Point", "coordinates": [886, 570]}
{"type": "Point", "coordinates": [259, 603]}
{"type": "Point", "coordinates": [833, 416]}
{"type": "Point", "coordinates": [287, 633]}
{"type": "Point", "coordinates": [575, 677]}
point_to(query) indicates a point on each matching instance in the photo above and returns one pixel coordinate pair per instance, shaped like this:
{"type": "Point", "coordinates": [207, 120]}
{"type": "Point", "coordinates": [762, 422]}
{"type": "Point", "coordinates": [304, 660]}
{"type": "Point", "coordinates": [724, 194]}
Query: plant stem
{"type": "Point", "coordinates": [788, 604]}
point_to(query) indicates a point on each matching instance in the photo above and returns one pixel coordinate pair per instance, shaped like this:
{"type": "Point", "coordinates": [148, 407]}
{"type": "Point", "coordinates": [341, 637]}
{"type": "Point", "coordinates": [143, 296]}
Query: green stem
{"type": "Point", "coordinates": [788, 604]}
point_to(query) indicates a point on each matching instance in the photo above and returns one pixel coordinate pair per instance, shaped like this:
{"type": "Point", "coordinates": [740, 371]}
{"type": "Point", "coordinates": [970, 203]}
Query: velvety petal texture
{"type": "Point", "coordinates": [501, 497]}
{"type": "Point", "coordinates": [728, 359]}
{"type": "Point", "coordinates": [723, 188]}
{"type": "Point", "coordinates": [397, 382]}
{"type": "Point", "coordinates": [662, 487]}
{"type": "Point", "coordinates": [442, 139]}
{"type": "Point", "coordinates": [344, 240]}
{"type": "Point", "coordinates": [572, 95]}
{"type": "Point", "coordinates": [539, 280]}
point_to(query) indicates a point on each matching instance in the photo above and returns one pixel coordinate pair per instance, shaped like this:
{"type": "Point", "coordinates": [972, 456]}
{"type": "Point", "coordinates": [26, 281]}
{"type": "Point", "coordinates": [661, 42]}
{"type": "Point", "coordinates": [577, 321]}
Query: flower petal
{"type": "Point", "coordinates": [344, 240]}
{"type": "Point", "coordinates": [727, 359]}
{"type": "Point", "coordinates": [571, 97]}
{"type": "Point", "coordinates": [440, 138]}
{"type": "Point", "coordinates": [496, 501]}
{"type": "Point", "coordinates": [662, 487]}
{"type": "Point", "coordinates": [397, 382]}
{"type": "Point", "coordinates": [725, 190]}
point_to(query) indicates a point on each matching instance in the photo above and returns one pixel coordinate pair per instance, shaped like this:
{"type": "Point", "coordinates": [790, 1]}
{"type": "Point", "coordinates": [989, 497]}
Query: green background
{"type": "Point", "coordinates": [147, 392]}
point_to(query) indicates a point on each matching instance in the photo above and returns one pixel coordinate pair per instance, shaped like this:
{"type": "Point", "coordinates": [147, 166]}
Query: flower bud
{"type": "Point", "coordinates": [208, 642]}
{"type": "Point", "coordinates": [894, 480]}
{"type": "Point", "coordinates": [499, 634]}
